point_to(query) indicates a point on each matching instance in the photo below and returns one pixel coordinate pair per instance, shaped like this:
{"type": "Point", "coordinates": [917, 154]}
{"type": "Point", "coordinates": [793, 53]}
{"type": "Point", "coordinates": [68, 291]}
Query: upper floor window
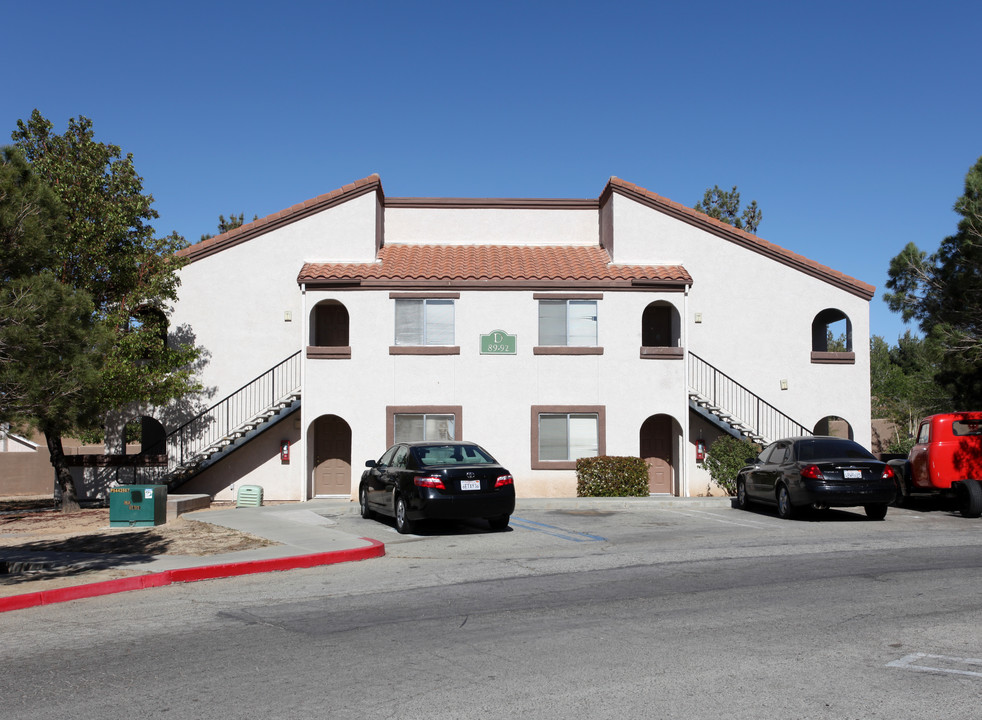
{"type": "Point", "coordinates": [568, 322]}
{"type": "Point", "coordinates": [329, 331]}
{"type": "Point", "coordinates": [832, 338]}
{"type": "Point", "coordinates": [424, 323]}
{"type": "Point", "coordinates": [661, 332]}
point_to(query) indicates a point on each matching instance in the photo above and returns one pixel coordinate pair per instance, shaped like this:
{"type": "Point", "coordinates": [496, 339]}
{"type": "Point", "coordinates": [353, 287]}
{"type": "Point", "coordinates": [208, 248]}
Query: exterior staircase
{"type": "Point", "coordinates": [731, 406]}
{"type": "Point", "coordinates": [233, 421]}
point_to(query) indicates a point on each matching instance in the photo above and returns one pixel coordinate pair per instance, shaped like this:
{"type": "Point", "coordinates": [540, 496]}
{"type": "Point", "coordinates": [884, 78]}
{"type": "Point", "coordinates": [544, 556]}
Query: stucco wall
{"type": "Point", "coordinates": [756, 317]}
{"type": "Point", "coordinates": [495, 392]}
{"type": "Point", "coordinates": [491, 226]}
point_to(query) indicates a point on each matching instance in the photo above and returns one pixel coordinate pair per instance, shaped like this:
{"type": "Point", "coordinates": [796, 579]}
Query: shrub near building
{"type": "Point", "coordinates": [726, 456]}
{"type": "Point", "coordinates": [608, 476]}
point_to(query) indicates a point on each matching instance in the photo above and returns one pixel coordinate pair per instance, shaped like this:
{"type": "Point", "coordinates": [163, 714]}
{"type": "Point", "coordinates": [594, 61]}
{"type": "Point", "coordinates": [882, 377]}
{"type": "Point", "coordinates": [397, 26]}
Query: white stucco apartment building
{"type": "Point", "coordinates": [543, 330]}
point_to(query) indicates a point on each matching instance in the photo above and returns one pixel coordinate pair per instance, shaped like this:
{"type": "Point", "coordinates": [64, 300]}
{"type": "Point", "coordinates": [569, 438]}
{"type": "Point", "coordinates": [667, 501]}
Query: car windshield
{"type": "Point", "coordinates": [452, 455]}
{"type": "Point", "coordinates": [830, 448]}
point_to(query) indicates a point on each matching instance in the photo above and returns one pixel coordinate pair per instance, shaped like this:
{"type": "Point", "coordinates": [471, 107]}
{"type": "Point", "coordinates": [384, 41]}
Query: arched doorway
{"type": "Point", "coordinates": [332, 456]}
{"type": "Point", "coordinates": [657, 443]}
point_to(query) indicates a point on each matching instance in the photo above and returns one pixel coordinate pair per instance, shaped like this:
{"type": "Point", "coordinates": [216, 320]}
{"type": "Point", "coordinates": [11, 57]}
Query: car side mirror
{"type": "Point", "coordinates": [370, 463]}
{"type": "Point", "coordinates": [751, 461]}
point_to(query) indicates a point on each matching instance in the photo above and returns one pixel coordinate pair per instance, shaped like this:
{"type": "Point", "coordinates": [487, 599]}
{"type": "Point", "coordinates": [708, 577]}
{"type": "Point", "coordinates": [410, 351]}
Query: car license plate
{"type": "Point", "coordinates": [470, 484]}
{"type": "Point", "coordinates": [853, 474]}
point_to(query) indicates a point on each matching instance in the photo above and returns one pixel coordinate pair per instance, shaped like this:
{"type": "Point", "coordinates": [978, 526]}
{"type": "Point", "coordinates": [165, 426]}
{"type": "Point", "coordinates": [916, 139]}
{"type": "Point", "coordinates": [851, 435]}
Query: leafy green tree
{"type": "Point", "coordinates": [116, 282]}
{"type": "Point", "coordinates": [725, 206]}
{"type": "Point", "coordinates": [233, 222]}
{"type": "Point", "coordinates": [903, 387]}
{"type": "Point", "coordinates": [943, 293]}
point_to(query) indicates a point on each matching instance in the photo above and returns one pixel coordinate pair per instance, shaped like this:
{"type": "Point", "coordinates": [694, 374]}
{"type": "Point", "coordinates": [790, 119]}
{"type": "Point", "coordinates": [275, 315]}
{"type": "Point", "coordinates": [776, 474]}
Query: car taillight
{"type": "Point", "coordinates": [888, 473]}
{"type": "Point", "coordinates": [812, 472]}
{"type": "Point", "coordinates": [504, 480]}
{"type": "Point", "coordinates": [430, 481]}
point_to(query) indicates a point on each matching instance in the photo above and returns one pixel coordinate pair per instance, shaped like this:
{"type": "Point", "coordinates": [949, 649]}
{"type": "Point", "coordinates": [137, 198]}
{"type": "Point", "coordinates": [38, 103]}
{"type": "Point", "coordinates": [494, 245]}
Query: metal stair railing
{"type": "Point", "coordinates": [738, 406]}
{"type": "Point", "coordinates": [233, 416]}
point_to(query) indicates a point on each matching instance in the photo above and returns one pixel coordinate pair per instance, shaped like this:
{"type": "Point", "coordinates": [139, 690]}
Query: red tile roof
{"type": "Point", "coordinates": [456, 265]}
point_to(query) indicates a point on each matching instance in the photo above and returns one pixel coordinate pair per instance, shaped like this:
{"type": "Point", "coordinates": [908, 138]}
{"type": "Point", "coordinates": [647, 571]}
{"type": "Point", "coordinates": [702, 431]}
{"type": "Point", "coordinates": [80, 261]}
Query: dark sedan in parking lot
{"type": "Point", "coordinates": [820, 472]}
{"type": "Point", "coordinates": [415, 481]}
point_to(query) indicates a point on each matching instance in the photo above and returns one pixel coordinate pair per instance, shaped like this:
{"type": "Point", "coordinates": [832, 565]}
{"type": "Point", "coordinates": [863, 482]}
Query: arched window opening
{"type": "Point", "coordinates": [832, 338]}
{"type": "Point", "coordinates": [329, 331]}
{"type": "Point", "coordinates": [661, 331]}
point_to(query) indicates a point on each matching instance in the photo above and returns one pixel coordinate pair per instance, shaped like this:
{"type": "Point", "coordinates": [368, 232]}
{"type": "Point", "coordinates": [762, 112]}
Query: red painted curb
{"type": "Point", "coordinates": [206, 572]}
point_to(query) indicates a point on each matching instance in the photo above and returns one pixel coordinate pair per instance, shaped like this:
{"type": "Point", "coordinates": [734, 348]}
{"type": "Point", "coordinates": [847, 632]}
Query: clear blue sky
{"type": "Point", "coordinates": [851, 123]}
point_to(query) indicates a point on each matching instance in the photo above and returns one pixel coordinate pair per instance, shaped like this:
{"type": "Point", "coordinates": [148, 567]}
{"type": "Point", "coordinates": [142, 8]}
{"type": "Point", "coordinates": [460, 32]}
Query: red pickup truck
{"type": "Point", "coordinates": [946, 461]}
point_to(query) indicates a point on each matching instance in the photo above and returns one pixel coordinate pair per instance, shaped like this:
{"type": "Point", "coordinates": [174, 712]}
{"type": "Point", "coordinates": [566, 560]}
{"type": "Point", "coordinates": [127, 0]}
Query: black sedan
{"type": "Point", "coordinates": [820, 472]}
{"type": "Point", "coordinates": [414, 481]}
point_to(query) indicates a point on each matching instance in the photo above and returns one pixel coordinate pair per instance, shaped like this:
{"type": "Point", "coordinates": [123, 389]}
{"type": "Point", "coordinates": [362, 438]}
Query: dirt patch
{"type": "Point", "coordinates": [36, 527]}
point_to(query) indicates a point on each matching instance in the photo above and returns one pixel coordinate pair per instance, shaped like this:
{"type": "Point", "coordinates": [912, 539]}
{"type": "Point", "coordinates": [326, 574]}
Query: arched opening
{"type": "Point", "coordinates": [329, 324]}
{"type": "Point", "coordinates": [658, 442]}
{"type": "Point", "coordinates": [661, 331]}
{"type": "Point", "coordinates": [331, 470]}
{"type": "Point", "coordinates": [831, 332]}
{"type": "Point", "coordinates": [145, 436]}
{"type": "Point", "coordinates": [329, 331]}
{"type": "Point", "coordinates": [834, 426]}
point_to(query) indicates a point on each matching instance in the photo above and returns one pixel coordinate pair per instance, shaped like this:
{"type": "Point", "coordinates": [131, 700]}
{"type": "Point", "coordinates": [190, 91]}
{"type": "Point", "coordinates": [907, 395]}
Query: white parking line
{"type": "Point", "coordinates": [912, 662]}
{"type": "Point", "coordinates": [714, 518]}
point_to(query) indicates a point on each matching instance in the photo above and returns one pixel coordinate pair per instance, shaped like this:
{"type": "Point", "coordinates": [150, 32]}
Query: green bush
{"type": "Point", "coordinates": [725, 457]}
{"type": "Point", "coordinates": [608, 476]}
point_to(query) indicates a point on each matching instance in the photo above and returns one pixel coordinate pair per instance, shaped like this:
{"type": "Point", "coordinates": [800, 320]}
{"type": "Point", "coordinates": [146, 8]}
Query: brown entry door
{"type": "Point", "coordinates": [656, 449]}
{"type": "Point", "coordinates": [332, 456]}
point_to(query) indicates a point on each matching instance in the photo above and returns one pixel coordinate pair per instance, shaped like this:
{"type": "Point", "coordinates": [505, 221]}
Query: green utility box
{"type": "Point", "coordinates": [249, 496]}
{"type": "Point", "coordinates": [137, 505]}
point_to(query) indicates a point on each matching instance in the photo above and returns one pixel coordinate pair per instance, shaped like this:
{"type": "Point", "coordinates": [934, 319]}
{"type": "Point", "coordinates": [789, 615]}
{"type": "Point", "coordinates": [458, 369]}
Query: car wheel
{"type": "Point", "coordinates": [499, 523]}
{"type": "Point", "coordinates": [403, 524]}
{"type": "Point", "coordinates": [363, 504]}
{"type": "Point", "coordinates": [971, 498]}
{"type": "Point", "coordinates": [902, 498]}
{"type": "Point", "coordinates": [877, 511]}
{"type": "Point", "coordinates": [743, 502]}
{"type": "Point", "coordinates": [785, 510]}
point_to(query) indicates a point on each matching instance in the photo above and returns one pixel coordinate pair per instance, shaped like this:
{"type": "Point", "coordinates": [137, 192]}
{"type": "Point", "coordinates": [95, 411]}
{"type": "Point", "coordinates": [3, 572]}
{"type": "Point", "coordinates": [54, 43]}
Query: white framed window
{"type": "Point", "coordinates": [568, 323]}
{"type": "Point", "coordinates": [424, 321]}
{"type": "Point", "coordinates": [410, 427]}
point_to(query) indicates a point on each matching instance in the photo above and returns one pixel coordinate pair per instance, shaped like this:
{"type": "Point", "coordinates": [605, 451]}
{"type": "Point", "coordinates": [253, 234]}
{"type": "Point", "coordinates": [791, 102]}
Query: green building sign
{"type": "Point", "coordinates": [498, 342]}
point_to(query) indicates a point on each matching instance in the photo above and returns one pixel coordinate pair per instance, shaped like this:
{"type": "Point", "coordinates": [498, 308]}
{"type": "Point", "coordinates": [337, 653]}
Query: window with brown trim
{"type": "Point", "coordinates": [408, 423]}
{"type": "Point", "coordinates": [568, 324]}
{"type": "Point", "coordinates": [561, 434]}
{"type": "Point", "coordinates": [424, 325]}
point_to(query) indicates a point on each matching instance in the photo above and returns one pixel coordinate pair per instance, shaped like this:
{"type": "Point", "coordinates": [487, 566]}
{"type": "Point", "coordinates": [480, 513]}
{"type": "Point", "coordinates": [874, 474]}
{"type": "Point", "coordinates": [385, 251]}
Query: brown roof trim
{"type": "Point", "coordinates": [491, 203]}
{"type": "Point", "coordinates": [739, 237]}
{"type": "Point", "coordinates": [212, 245]}
{"type": "Point", "coordinates": [441, 284]}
